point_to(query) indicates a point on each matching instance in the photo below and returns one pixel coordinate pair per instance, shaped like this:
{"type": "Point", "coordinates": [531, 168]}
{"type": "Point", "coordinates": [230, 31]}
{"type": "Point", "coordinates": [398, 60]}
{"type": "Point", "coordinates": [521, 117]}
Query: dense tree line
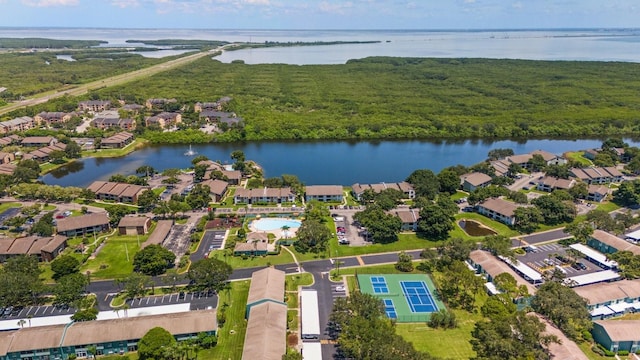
{"type": "Point", "coordinates": [366, 333]}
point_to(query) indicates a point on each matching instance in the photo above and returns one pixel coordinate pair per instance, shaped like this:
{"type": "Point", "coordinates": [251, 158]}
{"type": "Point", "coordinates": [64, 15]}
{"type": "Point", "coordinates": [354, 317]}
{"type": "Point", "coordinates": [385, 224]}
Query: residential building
{"type": "Point", "coordinates": [217, 188]}
{"type": "Point", "coordinates": [474, 180]}
{"type": "Point", "coordinates": [83, 225]}
{"type": "Point", "coordinates": [549, 184]}
{"type": "Point", "coordinates": [18, 124]}
{"type": "Point", "coordinates": [43, 248]}
{"type": "Point", "coordinates": [50, 118]}
{"type": "Point", "coordinates": [206, 106]}
{"type": "Point", "coordinates": [266, 334]}
{"type": "Point", "coordinates": [591, 153]}
{"type": "Point", "coordinates": [135, 108]}
{"type": "Point", "coordinates": [598, 175]}
{"type": "Point", "coordinates": [324, 193]}
{"type": "Point", "coordinates": [7, 169]}
{"type": "Point", "coordinates": [610, 299]}
{"type": "Point", "coordinates": [159, 234]}
{"type": "Point", "coordinates": [119, 192]}
{"type": "Point", "coordinates": [38, 141]}
{"type": "Point", "coordinates": [6, 158]}
{"type": "Point", "coordinates": [597, 193]}
{"type": "Point", "coordinates": [408, 216]}
{"type": "Point", "coordinates": [159, 103]}
{"type": "Point", "coordinates": [263, 196]}
{"type": "Point", "coordinates": [406, 188]}
{"type": "Point", "coordinates": [490, 266]}
{"type": "Point", "coordinates": [94, 105]}
{"type": "Point", "coordinates": [499, 210]}
{"type": "Point", "coordinates": [164, 120]}
{"type": "Point", "coordinates": [267, 285]}
{"type": "Point", "coordinates": [549, 158]}
{"type": "Point", "coordinates": [109, 121]}
{"type": "Point", "coordinates": [617, 335]}
{"type": "Point", "coordinates": [134, 225]}
{"type": "Point", "coordinates": [10, 140]}
{"type": "Point", "coordinates": [43, 154]}
{"type": "Point", "coordinates": [117, 141]}
{"type": "Point", "coordinates": [257, 244]}
{"type": "Point", "coordinates": [110, 337]}
{"type": "Point", "coordinates": [608, 243]}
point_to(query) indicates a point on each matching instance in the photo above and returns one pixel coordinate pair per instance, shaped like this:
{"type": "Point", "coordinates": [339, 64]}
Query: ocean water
{"type": "Point", "coordinates": [557, 44]}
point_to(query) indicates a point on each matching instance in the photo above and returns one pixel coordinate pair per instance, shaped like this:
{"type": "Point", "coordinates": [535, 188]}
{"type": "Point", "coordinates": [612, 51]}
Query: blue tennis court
{"type": "Point", "coordinates": [390, 309]}
{"type": "Point", "coordinates": [418, 296]}
{"type": "Point", "coordinates": [379, 285]}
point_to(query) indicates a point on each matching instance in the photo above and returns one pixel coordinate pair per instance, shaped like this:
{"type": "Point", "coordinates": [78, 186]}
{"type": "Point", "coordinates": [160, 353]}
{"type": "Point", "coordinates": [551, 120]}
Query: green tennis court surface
{"type": "Point", "coordinates": [406, 297]}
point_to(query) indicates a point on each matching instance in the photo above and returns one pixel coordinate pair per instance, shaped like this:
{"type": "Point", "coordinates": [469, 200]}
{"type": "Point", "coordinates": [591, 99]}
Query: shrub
{"type": "Point", "coordinates": [623, 353]}
{"type": "Point", "coordinates": [586, 335]}
{"type": "Point", "coordinates": [596, 349]}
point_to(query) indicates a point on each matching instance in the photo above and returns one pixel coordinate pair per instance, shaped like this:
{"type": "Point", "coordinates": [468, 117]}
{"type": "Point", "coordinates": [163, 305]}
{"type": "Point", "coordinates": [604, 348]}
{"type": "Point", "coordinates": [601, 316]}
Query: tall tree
{"type": "Point", "coordinates": [64, 265]}
{"type": "Point", "coordinates": [209, 274]}
{"type": "Point", "coordinates": [425, 183]}
{"type": "Point", "coordinates": [562, 306]}
{"type": "Point", "coordinates": [69, 289]}
{"type": "Point", "coordinates": [153, 260]}
{"type": "Point", "coordinates": [312, 236]}
{"type": "Point", "coordinates": [153, 344]}
{"type": "Point", "coordinates": [449, 181]}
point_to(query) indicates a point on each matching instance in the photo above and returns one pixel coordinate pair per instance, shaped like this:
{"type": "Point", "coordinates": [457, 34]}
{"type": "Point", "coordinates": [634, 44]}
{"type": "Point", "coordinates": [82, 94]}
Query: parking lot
{"type": "Point", "coordinates": [198, 300]}
{"type": "Point", "coordinates": [211, 240]}
{"type": "Point", "coordinates": [37, 311]}
{"type": "Point", "coordinates": [548, 256]}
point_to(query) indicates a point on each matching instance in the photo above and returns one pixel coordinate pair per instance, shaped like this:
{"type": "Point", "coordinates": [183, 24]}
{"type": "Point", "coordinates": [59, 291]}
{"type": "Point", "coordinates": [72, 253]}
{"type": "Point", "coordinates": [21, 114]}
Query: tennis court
{"type": "Point", "coordinates": [418, 296]}
{"type": "Point", "coordinates": [406, 297]}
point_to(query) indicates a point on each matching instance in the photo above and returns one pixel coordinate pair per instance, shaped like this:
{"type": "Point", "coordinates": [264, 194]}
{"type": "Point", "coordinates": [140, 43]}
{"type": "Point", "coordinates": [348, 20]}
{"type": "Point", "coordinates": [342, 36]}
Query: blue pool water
{"type": "Point", "coordinates": [268, 224]}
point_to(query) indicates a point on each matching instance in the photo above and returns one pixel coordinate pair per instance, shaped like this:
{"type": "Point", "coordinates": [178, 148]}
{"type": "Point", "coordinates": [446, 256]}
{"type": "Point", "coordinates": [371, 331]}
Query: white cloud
{"type": "Point", "coordinates": [335, 8]}
{"type": "Point", "coordinates": [517, 5]}
{"type": "Point", "coordinates": [46, 3]}
{"type": "Point", "coordinates": [125, 3]}
{"type": "Point", "coordinates": [257, 2]}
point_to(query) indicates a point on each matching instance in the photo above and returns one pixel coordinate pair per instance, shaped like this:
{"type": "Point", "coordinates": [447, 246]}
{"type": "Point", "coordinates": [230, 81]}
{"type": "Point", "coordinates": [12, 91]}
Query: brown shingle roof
{"type": "Point", "coordinates": [129, 328]}
{"type": "Point", "coordinates": [494, 266]}
{"type": "Point", "coordinates": [47, 337]}
{"type": "Point", "coordinates": [626, 330]}
{"type": "Point", "coordinates": [500, 206]}
{"type": "Point", "coordinates": [133, 221]}
{"type": "Point", "coordinates": [159, 234]}
{"type": "Point", "coordinates": [266, 334]}
{"type": "Point", "coordinates": [267, 283]}
{"type": "Point", "coordinates": [476, 178]}
{"type": "Point", "coordinates": [83, 221]}
{"type": "Point", "coordinates": [616, 242]}
{"type": "Point", "coordinates": [602, 292]}
{"type": "Point", "coordinates": [320, 190]}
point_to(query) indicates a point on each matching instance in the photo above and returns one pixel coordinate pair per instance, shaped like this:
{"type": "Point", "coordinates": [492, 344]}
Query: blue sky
{"type": "Point", "coordinates": [321, 14]}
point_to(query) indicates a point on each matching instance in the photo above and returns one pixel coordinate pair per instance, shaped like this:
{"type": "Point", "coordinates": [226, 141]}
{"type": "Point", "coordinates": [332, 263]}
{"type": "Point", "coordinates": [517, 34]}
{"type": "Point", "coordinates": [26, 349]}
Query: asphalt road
{"type": "Point", "coordinates": [546, 236]}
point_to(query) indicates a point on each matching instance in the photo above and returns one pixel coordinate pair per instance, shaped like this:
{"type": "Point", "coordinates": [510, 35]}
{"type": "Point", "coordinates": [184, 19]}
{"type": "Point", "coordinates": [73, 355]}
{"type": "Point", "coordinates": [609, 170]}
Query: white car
{"type": "Point", "coordinates": [340, 288]}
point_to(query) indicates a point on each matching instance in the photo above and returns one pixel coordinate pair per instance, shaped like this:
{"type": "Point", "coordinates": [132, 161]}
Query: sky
{"type": "Point", "coordinates": [321, 14]}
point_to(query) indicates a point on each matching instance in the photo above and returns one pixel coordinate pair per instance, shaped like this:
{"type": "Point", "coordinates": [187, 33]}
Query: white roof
{"type": "Point", "coordinates": [592, 278]}
{"type": "Point", "coordinates": [311, 351]}
{"type": "Point", "coordinates": [524, 269]}
{"type": "Point", "coordinates": [149, 310]}
{"type": "Point", "coordinates": [36, 321]}
{"type": "Point", "coordinates": [493, 290]}
{"type": "Point", "coordinates": [620, 307]}
{"type": "Point", "coordinates": [310, 315]}
{"type": "Point", "coordinates": [635, 235]}
{"type": "Point", "coordinates": [103, 315]}
{"type": "Point", "coordinates": [602, 310]}
{"type": "Point", "coordinates": [595, 255]}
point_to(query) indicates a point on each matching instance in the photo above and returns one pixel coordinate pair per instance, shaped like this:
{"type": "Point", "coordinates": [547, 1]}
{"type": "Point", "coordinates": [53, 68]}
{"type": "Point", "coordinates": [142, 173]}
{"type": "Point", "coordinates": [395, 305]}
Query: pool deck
{"type": "Point", "coordinates": [278, 233]}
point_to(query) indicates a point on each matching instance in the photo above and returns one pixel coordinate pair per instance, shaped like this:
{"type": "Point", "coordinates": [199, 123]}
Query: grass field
{"type": "Point", "coordinates": [293, 281]}
{"type": "Point", "coordinates": [115, 259]}
{"type": "Point", "coordinates": [9, 205]}
{"type": "Point", "coordinates": [578, 156]}
{"type": "Point", "coordinates": [231, 335]}
{"type": "Point", "coordinates": [444, 344]}
{"type": "Point", "coordinates": [586, 349]}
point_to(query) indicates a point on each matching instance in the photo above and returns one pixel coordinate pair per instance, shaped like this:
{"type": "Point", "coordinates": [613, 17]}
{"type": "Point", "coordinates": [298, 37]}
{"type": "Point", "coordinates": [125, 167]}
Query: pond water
{"type": "Point", "coordinates": [474, 228]}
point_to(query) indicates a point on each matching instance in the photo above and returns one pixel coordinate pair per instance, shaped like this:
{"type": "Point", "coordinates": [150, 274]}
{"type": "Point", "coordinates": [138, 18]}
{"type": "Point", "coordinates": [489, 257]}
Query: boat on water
{"type": "Point", "coordinates": [190, 152]}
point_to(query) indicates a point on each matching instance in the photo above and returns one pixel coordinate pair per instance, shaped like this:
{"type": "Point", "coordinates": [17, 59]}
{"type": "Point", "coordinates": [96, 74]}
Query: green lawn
{"type": "Point", "coordinates": [231, 335]}
{"type": "Point", "coordinates": [586, 349]}
{"type": "Point", "coordinates": [444, 344]}
{"type": "Point", "coordinates": [9, 205]}
{"type": "Point", "coordinates": [292, 320]}
{"type": "Point", "coordinates": [608, 206]}
{"type": "Point", "coordinates": [578, 156]}
{"type": "Point", "coordinates": [499, 227]}
{"type": "Point", "coordinates": [294, 280]}
{"type": "Point", "coordinates": [459, 195]}
{"type": "Point", "coordinates": [238, 262]}
{"type": "Point", "coordinates": [136, 144]}
{"type": "Point", "coordinates": [115, 259]}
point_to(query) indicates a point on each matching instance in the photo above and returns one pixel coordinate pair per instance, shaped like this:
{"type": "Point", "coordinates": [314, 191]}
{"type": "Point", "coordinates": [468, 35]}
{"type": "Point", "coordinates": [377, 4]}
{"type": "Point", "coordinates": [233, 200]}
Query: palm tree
{"type": "Point", "coordinates": [21, 323]}
{"type": "Point", "coordinates": [285, 231]}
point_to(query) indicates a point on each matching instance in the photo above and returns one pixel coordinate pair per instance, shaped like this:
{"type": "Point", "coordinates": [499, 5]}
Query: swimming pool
{"type": "Point", "coordinates": [268, 224]}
